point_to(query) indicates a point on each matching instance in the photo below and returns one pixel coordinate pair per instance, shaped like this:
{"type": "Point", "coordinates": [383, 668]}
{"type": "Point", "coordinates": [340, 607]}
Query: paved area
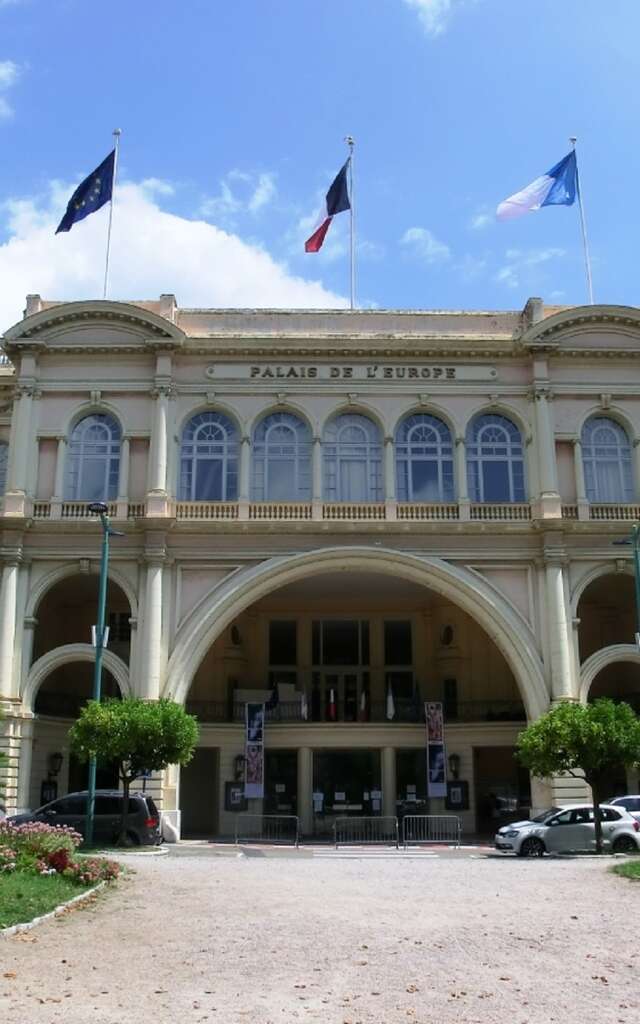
{"type": "Point", "coordinates": [275, 937]}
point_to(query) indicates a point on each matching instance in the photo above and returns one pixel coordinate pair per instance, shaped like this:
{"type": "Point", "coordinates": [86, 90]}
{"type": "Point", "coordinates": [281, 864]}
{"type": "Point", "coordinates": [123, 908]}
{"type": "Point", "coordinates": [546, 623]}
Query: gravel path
{"type": "Point", "coordinates": [282, 940]}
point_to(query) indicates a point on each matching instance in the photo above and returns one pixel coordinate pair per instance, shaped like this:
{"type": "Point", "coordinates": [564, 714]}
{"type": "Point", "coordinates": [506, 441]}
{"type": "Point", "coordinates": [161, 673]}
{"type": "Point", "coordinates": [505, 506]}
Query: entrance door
{"type": "Point", "coordinates": [346, 783]}
{"type": "Point", "coordinates": [199, 794]}
{"type": "Point", "coordinates": [503, 791]}
{"type": "Point", "coordinates": [281, 782]}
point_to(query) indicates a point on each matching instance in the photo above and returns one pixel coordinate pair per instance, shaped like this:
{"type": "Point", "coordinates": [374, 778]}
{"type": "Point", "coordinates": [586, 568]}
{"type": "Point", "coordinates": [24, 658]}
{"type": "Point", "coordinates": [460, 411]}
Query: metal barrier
{"type": "Point", "coordinates": [268, 828]}
{"type": "Point", "coordinates": [366, 830]}
{"type": "Point", "coordinates": [431, 828]}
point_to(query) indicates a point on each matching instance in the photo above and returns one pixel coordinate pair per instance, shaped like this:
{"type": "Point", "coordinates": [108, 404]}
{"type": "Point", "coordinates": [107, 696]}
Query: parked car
{"type": "Point", "coordinates": [569, 829]}
{"type": "Point", "coordinates": [142, 822]}
{"type": "Point", "coordinates": [630, 804]}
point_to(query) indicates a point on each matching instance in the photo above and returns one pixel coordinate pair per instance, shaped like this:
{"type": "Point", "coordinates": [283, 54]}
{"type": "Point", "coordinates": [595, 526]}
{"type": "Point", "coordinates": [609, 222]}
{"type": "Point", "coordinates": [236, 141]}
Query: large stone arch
{"type": "Point", "coordinates": [50, 579]}
{"type": "Point", "coordinates": [585, 581]}
{"type": "Point", "coordinates": [606, 656]}
{"type": "Point", "coordinates": [502, 623]}
{"type": "Point", "coordinates": [65, 655]}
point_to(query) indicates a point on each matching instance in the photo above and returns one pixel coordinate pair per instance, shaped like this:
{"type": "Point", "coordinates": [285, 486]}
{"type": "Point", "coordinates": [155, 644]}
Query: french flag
{"type": "Point", "coordinates": [337, 201]}
{"type": "Point", "coordinates": [557, 187]}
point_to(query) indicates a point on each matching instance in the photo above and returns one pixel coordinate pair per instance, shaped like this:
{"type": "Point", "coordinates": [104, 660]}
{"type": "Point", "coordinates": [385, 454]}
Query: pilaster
{"type": "Point", "coordinates": [549, 502]}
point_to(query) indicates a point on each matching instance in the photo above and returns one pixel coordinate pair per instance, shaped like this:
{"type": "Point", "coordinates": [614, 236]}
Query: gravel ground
{"type": "Point", "coordinates": [275, 939]}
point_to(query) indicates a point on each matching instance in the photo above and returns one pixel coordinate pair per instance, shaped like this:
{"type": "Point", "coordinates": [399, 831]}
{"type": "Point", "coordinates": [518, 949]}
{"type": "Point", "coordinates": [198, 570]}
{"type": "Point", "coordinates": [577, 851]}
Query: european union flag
{"type": "Point", "coordinates": [91, 194]}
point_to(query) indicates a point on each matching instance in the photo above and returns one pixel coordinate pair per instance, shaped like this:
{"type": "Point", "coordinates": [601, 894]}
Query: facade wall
{"type": "Point", "coordinates": [504, 574]}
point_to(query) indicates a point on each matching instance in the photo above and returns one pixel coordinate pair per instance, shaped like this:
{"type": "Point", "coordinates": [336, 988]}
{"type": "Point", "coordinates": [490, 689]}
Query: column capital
{"type": "Point", "coordinates": [577, 442]}
{"type": "Point", "coordinates": [460, 440]}
{"type": "Point", "coordinates": [388, 439]}
{"type": "Point", "coordinates": [540, 393]}
{"type": "Point", "coordinates": [165, 390]}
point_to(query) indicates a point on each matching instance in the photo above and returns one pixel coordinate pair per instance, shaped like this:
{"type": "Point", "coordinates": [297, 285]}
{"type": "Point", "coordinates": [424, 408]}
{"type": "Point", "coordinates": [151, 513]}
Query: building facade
{"type": "Point", "coordinates": [356, 511]}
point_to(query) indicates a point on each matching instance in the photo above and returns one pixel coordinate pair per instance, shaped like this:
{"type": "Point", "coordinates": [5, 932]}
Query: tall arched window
{"type": "Point", "coordinates": [4, 460]}
{"type": "Point", "coordinates": [281, 459]}
{"type": "Point", "coordinates": [606, 455]}
{"type": "Point", "coordinates": [93, 463]}
{"type": "Point", "coordinates": [495, 466]}
{"type": "Point", "coordinates": [352, 457]}
{"type": "Point", "coordinates": [424, 459]}
{"type": "Point", "coordinates": [209, 459]}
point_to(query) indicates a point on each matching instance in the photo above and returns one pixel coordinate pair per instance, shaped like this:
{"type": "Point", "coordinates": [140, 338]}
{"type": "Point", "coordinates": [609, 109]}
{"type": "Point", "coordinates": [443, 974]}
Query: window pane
{"type": "Point", "coordinates": [282, 474]}
{"type": "Point", "coordinates": [397, 643]}
{"type": "Point", "coordinates": [93, 480]}
{"type": "Point", "coordinates": [495, 476]}
{"type": "Point", "coordinates": [340, 643]}
{"type": "Point", "coordinates": [208, 480]}
{"type": "Point", "coordinates": [353, 480]}
{"type": "Point", "coordinates": [283, 643]}
{"type": "Point", "coordinates": [424, 481]}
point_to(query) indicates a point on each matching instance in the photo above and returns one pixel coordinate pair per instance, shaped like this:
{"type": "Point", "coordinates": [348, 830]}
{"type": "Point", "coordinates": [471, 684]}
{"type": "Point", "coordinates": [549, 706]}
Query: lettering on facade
{"type": "Point", "coordinates": [361, 372]}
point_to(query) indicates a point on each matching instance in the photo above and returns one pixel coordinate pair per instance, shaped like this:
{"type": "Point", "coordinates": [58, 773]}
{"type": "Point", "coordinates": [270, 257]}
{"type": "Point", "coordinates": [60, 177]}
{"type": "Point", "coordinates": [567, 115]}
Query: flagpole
{"type": "Point", "coordinates": [117, 132]}
{"type": "Point", "coordinates": [351, 143]}
{"type": "Point", "coordinates": [583, 224]}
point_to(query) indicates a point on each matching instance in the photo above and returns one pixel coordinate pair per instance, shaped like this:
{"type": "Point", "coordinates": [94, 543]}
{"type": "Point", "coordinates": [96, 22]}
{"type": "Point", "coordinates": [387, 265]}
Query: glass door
{"type": "Point", "coordinates": [340, 696]}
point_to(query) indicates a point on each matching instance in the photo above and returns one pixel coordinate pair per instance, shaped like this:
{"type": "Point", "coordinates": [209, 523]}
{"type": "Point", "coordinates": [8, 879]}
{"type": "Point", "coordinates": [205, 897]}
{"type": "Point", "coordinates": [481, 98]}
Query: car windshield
{"type": "Point", "coordinates": [542, 817]}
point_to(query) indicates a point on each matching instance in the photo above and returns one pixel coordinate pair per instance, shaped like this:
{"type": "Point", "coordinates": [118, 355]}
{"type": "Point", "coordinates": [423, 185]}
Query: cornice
{"type": "Point", "coordinates": [31, 332]}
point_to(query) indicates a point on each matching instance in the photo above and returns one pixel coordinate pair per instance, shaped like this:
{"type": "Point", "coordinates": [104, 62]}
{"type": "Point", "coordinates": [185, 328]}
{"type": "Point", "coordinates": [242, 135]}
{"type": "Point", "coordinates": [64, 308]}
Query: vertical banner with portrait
{"type": "Point", "coordinates": [254, 752]}
{"type": "Point", "coordinates": [436, 759]}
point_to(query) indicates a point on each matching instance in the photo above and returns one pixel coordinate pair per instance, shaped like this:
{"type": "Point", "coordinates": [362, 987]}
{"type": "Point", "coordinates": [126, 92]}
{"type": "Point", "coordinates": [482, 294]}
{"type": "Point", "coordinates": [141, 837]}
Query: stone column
{"type": "Point", "coordinates": [10, 747]}
{"type": "Point", "coordinates": [19, 453]}
{"type": "Point", "coordinates": [150, 666]}
{"type": "Point", "coordinates": [24, 765]}
{"type": "Point", "coordinates": [123, 482]}
{"type": "Point", "coordinates": [157, 497]}
{"type": "Point", "coordinates": [581, 490]}
{"type": "Point", "coordinates": [390, 479]}
{"type": "Point", "coordinates": [28, 636]}
{"type": "Point", "coordinates": [316, 478]}
{"type": "Point", "coordinates": [559, 624]}
{"type": "Point", "coordinates": [636, 469]}
{"type": "Point", "coordinates": [58, 485]}
{"type": "Point", "coordinates": [389, 782]}
{"type": "Point", "coordinates": [462, 484]}
{"type": "Point", "coordinates": [8, 606]}
{"type": "Point", "coordinates": [549, 499]}
{"type": "Point", "coordinates": [305, 790]}
{"type": "Point", "coordinates": [244, 477]}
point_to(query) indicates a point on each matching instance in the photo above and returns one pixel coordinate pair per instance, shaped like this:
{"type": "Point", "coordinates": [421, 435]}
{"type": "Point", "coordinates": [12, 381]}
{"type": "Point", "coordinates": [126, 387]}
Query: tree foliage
{"type": "Point", "coordinates": [139, 735]}
{"type": "Point", "coordinates": [591, 740]}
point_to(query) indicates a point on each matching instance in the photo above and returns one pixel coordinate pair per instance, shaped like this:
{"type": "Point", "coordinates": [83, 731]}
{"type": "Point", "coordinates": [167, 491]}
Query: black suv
{"type": "Point", "coordinates": [142, 822]}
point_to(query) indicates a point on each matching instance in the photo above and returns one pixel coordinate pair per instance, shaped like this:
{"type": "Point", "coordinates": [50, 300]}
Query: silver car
{"type": "Point", "coordinates": [570, 829]}
{"type": "Point", "coordinates": [630, 803]}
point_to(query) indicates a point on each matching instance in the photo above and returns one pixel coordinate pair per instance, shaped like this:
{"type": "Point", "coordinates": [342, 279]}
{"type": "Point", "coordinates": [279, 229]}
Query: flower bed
{"type": "Point", "coordinates": [40, 861]}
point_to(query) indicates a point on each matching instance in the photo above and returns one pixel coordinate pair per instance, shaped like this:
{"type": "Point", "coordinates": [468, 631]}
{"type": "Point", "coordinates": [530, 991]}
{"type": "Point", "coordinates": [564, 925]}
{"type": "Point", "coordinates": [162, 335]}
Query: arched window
{"type": "Point", "coordinates": [495, 466]}
{"type": "Point", "coordinates": [424, 460]}
{"type": "Point", "coordinates": [281, 459]}
{"type": "Point", "coordinates": [4, 459]}
{"type": "Point", "coordinates": [606, 455]}
{"type": "Point", "coordinates": [209, 459]}
{"type": "Point", "coordinates": [93, 462]}
{"type": "Point", "coordinates": [352, 459]}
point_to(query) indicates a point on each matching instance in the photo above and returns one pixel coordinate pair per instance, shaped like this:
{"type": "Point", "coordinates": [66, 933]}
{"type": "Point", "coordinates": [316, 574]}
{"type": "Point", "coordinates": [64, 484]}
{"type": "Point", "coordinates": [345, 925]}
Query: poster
{"type": "Point", "coordinates": [436, 759]}
{"type": "Point", "coordinates": [254, 752]}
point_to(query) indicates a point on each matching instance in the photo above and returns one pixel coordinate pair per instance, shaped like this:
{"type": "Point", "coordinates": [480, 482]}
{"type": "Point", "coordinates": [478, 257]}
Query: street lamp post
{"type": "Point", "coordinates": [634, 541]}
{"type": "Point", "coordinates": [100, 509]}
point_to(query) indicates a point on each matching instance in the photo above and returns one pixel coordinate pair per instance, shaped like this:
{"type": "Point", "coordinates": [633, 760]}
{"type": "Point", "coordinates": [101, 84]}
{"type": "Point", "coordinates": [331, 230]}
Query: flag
{"type": "Point", "coordinates": [337, 200]}
{"type": "Point", "coordinates": [363, 706]}
{"type": "Point", "coordinates": [558, 187]}
{"type": "Point", "coordinates": [91, 194]}
{"type": "Point", "coordinates": [274, 698]}
{"type": "Point", "coordinates": [332, 709]}
{"type": "Point", "coordinates": [304, 707]}
{"type": "Point", "coordinates": [391, 705]}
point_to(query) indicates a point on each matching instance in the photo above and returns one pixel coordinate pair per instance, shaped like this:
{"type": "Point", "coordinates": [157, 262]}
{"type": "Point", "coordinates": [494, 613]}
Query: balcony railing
{"type": "Point", "coordinates": [404, 712]}
{"type": "Point", "coordinates": [500, 513]}
{"type": "Point", "coordinates": [614, 512]}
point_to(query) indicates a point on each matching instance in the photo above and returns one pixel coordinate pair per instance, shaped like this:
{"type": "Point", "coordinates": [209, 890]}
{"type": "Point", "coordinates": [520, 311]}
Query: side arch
{"type": "Point", "coordinates": [49, 580]}
{"type": "Point", "coordinates": [492, 611]}
{"type": "Point", "coordinates": [66, 655]}
{"type": "Point", "coordinates": [606, 569]}
{"type": "Point", "coordinates": [606, 656]}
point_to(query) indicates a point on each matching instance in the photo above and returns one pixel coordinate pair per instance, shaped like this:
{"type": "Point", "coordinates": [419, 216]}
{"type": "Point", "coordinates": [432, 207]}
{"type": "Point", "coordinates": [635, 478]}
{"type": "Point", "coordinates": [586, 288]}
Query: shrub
{"type": "Point", "coordinates": [37, 839]}
{"type": "Point", "coordinates": [42, 849]}
{"type": "Point", "coordinates": [7, 859]}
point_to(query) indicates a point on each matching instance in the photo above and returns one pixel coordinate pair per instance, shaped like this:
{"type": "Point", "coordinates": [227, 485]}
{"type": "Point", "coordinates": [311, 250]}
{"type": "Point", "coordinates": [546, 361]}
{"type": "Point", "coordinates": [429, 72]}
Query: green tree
{"type": "Point", "coordinates": [577, 739]}
{"type": "Point", "coordinates": [139, 735]}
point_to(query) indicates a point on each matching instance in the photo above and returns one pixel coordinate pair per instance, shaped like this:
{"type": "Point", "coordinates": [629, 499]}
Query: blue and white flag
{"type": "Point", "coordinates": [91, 194]}
{"type": "Point", "coordinates": [558, 187]}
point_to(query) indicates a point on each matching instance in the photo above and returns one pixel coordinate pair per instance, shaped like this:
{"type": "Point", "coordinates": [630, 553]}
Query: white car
{"type": "Point", "coordinates": [569, 829]}
{"type": "Point", "coordinates": [630, 804]}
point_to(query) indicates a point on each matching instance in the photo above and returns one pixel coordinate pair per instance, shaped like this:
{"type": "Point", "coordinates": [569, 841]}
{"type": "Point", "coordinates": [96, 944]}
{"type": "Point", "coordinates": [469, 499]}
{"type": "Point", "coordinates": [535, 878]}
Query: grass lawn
{"type": "Point", "coordinates": [630, 868]}
{"type": "Point", "coordinates": [24, 896]}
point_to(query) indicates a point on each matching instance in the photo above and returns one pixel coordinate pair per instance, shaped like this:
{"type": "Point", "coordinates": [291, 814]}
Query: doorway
{"type": "Point", "coordinates": [346, 783]}
{"type": "Point", "coordinates": [502, 788]}
{"type": "Point", "coordinates": [281, 782]}
{"type": "Point", "coordinates": [199, 794]}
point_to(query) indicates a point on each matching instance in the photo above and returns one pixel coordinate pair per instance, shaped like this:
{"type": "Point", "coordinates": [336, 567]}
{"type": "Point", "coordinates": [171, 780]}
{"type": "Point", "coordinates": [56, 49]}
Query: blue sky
{"type": "Point", "coordinates": [233, 116]}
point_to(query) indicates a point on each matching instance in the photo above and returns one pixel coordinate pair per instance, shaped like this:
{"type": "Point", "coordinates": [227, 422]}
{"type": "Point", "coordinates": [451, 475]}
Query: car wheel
{"type": "Point", "coordinates": [625, 844]}
{"type": "Point", "coordinates": [531, 847]}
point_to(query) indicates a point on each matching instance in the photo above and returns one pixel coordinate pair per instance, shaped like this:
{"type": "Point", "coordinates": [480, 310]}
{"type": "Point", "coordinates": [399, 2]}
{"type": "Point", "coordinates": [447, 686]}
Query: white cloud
{"type": "Point", "coordinates": [153, 251]}
{"type": "Point", "coordinates": [521, 265]}
{"type": "Point", "coordinates": [435, 14]}
{"type": "Point", "coordinates": [425, 245]}
{"type": "Point", "coordinates": [240, 193]}
{"type": "Point", "coordinates": [481, 219]}
{"type": "Point", "coordinates": [9, 73]}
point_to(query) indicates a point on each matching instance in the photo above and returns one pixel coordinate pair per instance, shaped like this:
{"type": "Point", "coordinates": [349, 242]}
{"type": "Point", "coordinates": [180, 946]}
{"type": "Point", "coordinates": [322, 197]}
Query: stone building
{"type": "Point", "coordinates": [357, 511]}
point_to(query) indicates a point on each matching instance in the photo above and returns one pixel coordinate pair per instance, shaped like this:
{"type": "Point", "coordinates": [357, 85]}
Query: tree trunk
{"type": "Point", "coordinates": [597, 817]}
{"type": "Point", "coordinates": [126, 784]}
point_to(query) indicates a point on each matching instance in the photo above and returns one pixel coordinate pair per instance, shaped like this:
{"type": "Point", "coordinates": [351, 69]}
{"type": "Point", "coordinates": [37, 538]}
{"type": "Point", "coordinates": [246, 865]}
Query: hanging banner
{"type": "Point", "coordinates": [436, 760]}
{"type": "Point", "coordinates": [254, 752]}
